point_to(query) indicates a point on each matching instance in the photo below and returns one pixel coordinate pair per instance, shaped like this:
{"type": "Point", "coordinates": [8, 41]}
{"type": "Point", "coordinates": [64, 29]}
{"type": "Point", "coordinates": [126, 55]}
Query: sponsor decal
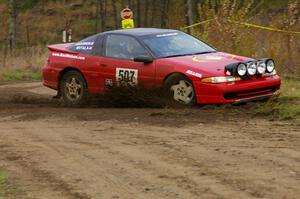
{"type": "Point", "coordinates": [84, 45]}
{"type": "Point", "coordinates": [167, 34]}
{"type": "Point", "coordinates": [194, 73]}
{"type": "Point", "coordinates": [65, 55]}
{"type": "Point", "coordinates": [230, 56]}
{"type": "Point", "coordinates": [126, 76]}
{"type": "Point", "coordinates": [84, 48]}
{"type": "Point", "coordinates": [207, 58]}
{"type": "Point", "coordinates": [213, 57]}
{"type": "Point", "coordinates": [195, 59]}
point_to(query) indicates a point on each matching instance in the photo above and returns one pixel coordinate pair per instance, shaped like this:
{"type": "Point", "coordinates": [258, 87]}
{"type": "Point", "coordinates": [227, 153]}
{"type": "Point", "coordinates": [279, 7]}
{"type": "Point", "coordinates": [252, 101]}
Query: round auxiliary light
{"type": "Point", "coordinates": [270, 66]}
{"type": "Point", "coordinates": [261, 67]}
{"type": "Point", "coordinates": [251, 68]}
{"type": "Point", "coordinates": [242, 70]}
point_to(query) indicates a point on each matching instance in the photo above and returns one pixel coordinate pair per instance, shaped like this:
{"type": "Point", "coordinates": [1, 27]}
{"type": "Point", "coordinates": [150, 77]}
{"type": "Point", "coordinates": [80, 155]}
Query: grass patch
{"type": "Point", "coordinates": [287, 105]}
{"type": "Point", "coordinates": [3, 183]}
{"type": "Point", "coordinates": [7, 189]}
{"type": "Point", "coordinates": [12, 75]}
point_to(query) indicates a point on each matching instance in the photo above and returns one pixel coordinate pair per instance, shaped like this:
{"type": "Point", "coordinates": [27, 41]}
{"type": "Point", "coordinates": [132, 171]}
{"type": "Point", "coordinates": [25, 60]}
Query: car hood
{"type": "Point", "coordinates": [211, 64]}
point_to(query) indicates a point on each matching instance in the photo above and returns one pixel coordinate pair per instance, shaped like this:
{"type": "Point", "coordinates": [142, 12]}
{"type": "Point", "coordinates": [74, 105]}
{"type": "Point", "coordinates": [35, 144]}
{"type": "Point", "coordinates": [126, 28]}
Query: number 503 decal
{"type": "Point", "coordinates": [127, 76]}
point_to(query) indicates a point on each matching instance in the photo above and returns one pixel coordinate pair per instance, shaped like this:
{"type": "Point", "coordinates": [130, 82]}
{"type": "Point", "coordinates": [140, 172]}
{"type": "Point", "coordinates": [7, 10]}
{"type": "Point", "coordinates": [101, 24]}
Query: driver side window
{"type": "Point", "coordinates": [123, 47]}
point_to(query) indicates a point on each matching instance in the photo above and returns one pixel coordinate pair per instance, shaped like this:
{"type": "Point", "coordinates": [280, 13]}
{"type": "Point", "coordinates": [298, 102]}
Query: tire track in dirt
{"type": "Point", "coordinates": [36, 183]}
{"type": "Point", "coordinates": [138, 137]}
{"type": "Point", "coordinates": [144, 153]}
{"type": "Point", "coordinates": [62, 157]}
{"type": "Point", "coordinates": [210, 152]}
{"type": "Point", "coordinates": [107, 166]}
{"type": "Point", "coordinates": [230, 160]}
{"type": "Point", "coordinates": [186, 183]}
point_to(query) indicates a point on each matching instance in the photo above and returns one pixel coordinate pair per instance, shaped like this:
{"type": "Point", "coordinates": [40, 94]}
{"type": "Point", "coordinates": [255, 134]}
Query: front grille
{"type": "Point", "coordinates": [250, 93]}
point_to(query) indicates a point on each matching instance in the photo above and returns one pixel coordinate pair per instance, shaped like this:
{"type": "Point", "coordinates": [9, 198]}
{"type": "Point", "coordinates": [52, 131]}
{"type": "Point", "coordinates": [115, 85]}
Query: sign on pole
{"type": "Point", "coordinates": [127, 18]}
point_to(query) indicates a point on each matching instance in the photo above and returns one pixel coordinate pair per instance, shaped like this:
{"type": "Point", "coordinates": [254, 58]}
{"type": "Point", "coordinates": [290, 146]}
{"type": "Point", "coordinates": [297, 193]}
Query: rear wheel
{"type": "Point", "coordinates": [180, 89]}
{"type": "Point", "coordinates": [73, 88]}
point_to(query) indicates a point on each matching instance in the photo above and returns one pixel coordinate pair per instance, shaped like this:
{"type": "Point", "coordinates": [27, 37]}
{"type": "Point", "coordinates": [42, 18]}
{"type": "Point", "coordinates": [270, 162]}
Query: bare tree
{"type": "Point", "coordinates": [164, 4]}
{"type": "Point", "coordinates": [153, 13]}
{"type": "Point", "coordinates": [115, 13]}
{"type": "Point", "coordinates": [195, 10]}
{"type": "Point", "coordinates": [103, 15]}
{"type": "Point", "coordinates": [129, 3]}
{"type": "Point", "coordinates": [100, 15]}
{"type": "Point", "coordinates": [138, 13]}
{"type": "Point", "coordinates": [98, 2]}
{"type": "Point", "coordinates": [189, 12]}
{"type": "Point", "coordinates": [12, 24]}
{"type": "Point", "coordinates": [146, 17]}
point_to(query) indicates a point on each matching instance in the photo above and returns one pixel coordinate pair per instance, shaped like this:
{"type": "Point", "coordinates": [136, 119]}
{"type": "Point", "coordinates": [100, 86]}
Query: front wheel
{"type": "Point", "coordinates": [180, 89]}
{"type": "Point", "coordinates": [73, 88]}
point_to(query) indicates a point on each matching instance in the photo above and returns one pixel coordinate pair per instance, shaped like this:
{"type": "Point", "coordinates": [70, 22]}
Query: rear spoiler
{"type": "Point", "coordinates": [61, 48]}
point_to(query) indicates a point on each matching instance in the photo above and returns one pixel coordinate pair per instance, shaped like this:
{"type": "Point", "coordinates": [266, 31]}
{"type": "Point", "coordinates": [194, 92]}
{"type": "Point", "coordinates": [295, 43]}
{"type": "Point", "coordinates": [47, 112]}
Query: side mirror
{"type": "Point", "coordinates": [145, 59]}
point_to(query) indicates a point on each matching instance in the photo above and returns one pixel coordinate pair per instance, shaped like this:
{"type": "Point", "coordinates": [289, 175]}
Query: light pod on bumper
{"type": "Point", "coordinates": [251, 68]}
{"type": "Point", "coordinates": [261, 67]}
{"type": "Point", "coordinates": [241, 69]}
{"type": "Point", "coordinates": [270, 65]}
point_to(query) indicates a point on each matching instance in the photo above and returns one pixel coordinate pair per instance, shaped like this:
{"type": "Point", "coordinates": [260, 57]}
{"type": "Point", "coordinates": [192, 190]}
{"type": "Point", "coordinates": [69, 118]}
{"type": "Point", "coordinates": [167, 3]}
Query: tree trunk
{"type": "Point", "coordinates": [164, 13]}
{"type": "Point", "coordinates": [116, 13]}
{"type": "Point", "coordinates": [146, 23]}
{"type": "Point", "coordinates": [129, 3]}
{"type": "Point", "coordinates": [12, 24]}
{"type": "Point", "coordinates": [153, 6]}
{"type": "Point", "coordinates": [98, 2]}
{"type": "Point", "coordinates": [138, 13]}
{"type": "Point", "coordinates": [103, 15]}
{"type": "Point", "coordinates": [195, 10]}
{"type": "Point", "coordinates": [189, 13]}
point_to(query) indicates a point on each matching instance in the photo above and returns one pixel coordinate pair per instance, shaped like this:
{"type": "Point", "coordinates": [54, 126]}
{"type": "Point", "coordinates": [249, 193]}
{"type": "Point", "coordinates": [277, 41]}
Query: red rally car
{"type": "Point", "coordinates": [185, 67]}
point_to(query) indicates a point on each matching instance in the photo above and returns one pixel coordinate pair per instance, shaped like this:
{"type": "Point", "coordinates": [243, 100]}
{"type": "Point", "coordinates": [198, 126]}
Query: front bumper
{"type": "Point", "coordinates": [237, 92]}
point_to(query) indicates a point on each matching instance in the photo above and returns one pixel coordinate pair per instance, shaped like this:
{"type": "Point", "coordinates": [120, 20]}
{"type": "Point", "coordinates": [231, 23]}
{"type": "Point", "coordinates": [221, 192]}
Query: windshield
{"type": "Point", "coordinates": [176, 44]}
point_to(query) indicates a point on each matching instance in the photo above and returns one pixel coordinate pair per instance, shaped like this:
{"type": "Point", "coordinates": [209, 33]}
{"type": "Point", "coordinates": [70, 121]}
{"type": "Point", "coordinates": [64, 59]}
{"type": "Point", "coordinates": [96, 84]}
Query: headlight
{"type": "Point", "coordinates": [270, 66]}
{"type": "Point", "coordinates": [222, 79]}
{"type": "Point", "coordinates": [251, 68]}
{"type": "Point", "coordinates": [242, 70]}
{"type": "Point", "coordinates": [261, 67]}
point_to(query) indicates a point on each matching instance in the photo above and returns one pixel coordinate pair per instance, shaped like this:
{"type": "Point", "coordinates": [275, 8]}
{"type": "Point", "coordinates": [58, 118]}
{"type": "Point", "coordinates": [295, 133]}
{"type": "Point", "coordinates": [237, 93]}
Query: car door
{"type": "Point", "coordinates": [118, 66]}
{"type": "Point", "coordinates": [90, 49]}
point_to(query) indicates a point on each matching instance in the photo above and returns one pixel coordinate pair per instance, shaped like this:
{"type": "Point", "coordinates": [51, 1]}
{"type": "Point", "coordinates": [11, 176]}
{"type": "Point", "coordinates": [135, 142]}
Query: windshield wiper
{"type": "Point", "coordinates": [205, 52]}
{"type": "Point", "coordinates": [180, 55]}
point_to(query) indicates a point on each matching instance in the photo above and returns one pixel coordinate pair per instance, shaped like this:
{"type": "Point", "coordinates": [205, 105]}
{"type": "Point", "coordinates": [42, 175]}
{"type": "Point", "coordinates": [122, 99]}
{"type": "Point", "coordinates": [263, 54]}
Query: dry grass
{"type": "Point", "coordinates": [224, 36]}
{"type": "Point", "coordinates": [285, 107]}
{"type": "Point", "coordinates": [252, 42]}
{"type": "Point", "coordinates": [23, 63]}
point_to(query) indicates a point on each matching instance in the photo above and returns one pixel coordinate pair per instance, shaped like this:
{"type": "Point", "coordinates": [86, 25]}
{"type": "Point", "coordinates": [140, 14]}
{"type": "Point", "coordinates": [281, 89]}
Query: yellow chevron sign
{"type": "Point", "coordinates": [127, 23]}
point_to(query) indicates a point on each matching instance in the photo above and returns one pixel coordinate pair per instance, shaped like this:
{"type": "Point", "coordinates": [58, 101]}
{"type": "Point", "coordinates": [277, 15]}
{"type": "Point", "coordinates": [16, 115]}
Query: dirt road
{"type": "Point", "coordinates": [53, 151]}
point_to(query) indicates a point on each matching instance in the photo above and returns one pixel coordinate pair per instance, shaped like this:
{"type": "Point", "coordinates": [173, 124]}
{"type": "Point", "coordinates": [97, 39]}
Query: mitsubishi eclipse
{"type": "Point", "coordinates": [188, 70]}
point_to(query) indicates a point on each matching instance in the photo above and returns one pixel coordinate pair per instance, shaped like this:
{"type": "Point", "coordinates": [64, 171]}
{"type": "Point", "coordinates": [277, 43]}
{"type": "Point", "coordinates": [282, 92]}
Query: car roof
{"type": "Point", "coordinates": [141, 31]}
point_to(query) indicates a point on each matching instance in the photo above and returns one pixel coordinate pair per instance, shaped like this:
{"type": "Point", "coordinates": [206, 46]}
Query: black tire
{"type": "Point", "coordinates": [68, 91]}
{"type": "Point", "coordinates": [174, 80]}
